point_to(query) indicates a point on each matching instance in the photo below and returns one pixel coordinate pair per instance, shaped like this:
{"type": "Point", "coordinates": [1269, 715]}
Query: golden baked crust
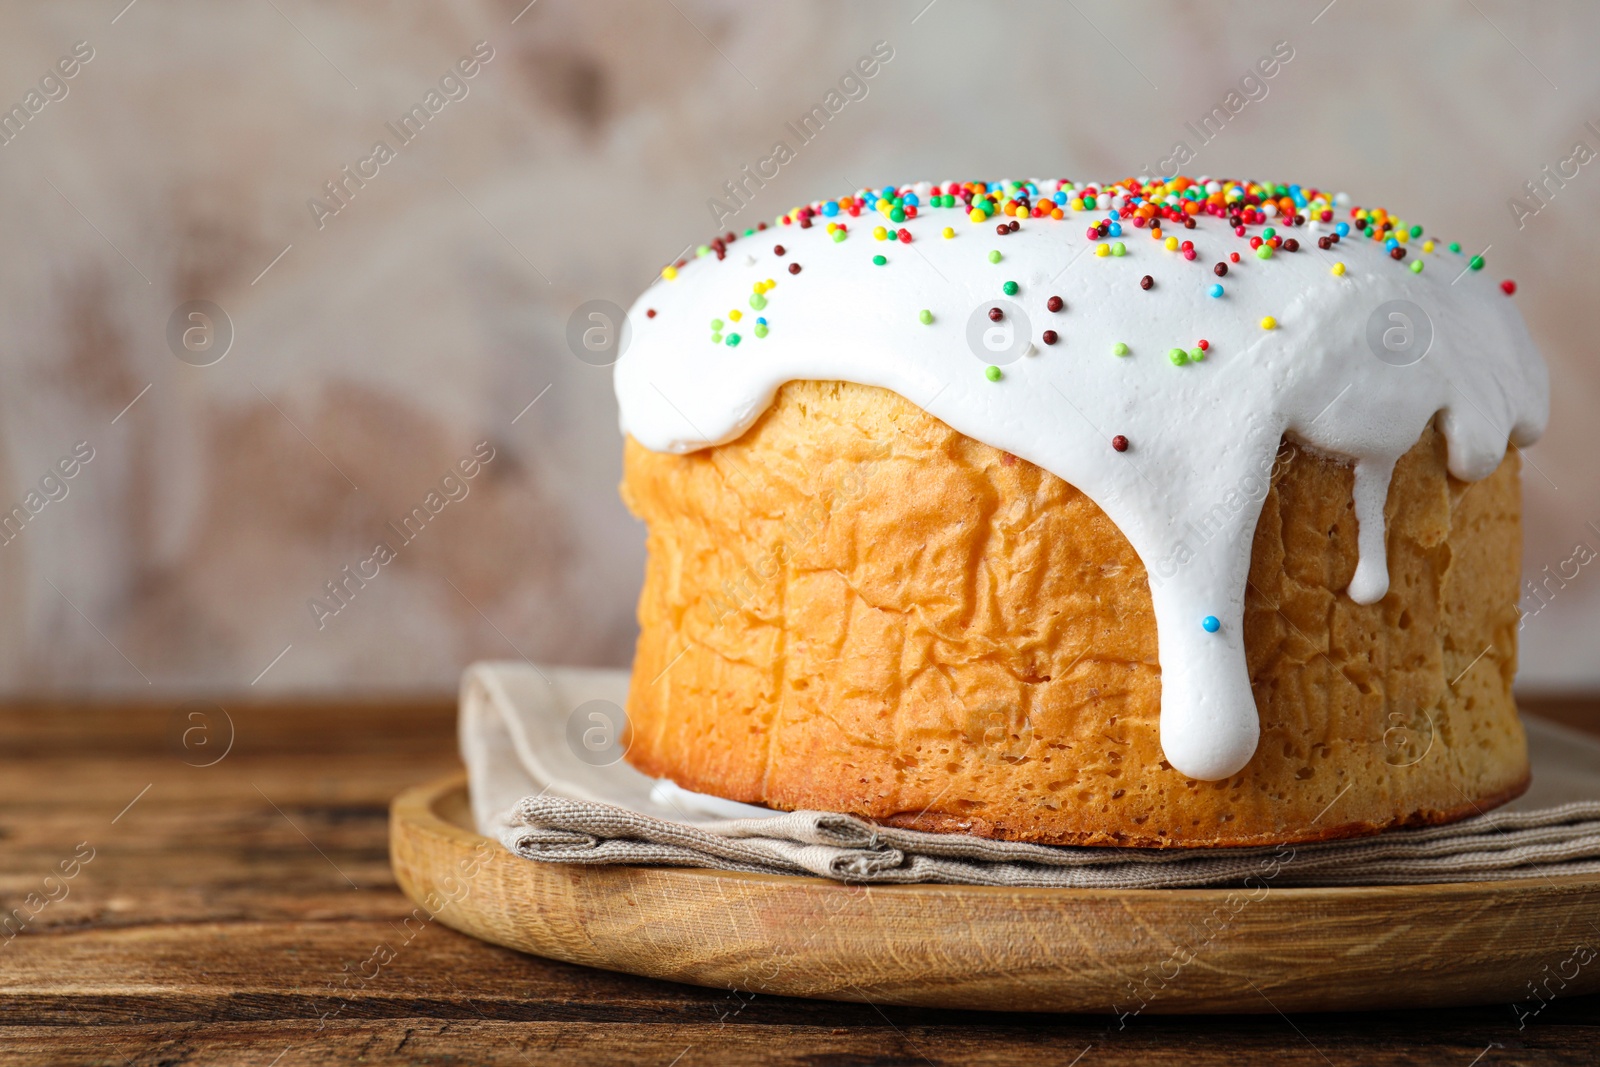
{"type": "Point", "coordinates": [855, 608]}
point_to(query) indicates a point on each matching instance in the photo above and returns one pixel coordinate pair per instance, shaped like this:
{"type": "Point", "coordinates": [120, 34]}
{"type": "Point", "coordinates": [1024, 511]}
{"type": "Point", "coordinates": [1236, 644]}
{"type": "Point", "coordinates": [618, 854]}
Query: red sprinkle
{"type": "Point", "coordinates": [995, 314]}
{"type": "Point", "coordinates": [1049, 337]}
{"type": "Point", "coordinates": [794, 268]}
{"type": "Point", "coordinates": [1055, 303]}
{"type": "Point", "coordinates": [1146, 282]}
{"type": "Point", "coordinates": [1205, 346]}
{"type": "Point", "coordinates": [1233, 257]}
{"type": "Point", "coordinates": [1508, 287]}
{"type": "Point", "coordinates": [1120, 443]}
{"type": "Point", "coordinates": [777, 250]}
{"type": "Point", "coordinates": [904, 235]}
{"type": "Point", "coordinates": [650, 313]}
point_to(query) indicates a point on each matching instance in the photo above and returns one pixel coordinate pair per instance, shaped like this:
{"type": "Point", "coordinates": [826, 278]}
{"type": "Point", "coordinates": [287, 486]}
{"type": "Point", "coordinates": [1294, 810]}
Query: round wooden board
{"type": "Point", "coordinates": [1117, 951]}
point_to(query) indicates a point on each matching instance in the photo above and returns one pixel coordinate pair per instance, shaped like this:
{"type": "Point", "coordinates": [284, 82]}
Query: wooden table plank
{"type": "Point", "coordinates": [222, 912]}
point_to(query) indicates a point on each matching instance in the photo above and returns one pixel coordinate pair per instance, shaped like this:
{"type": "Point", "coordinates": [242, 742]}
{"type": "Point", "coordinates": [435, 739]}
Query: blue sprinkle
{"type": "Point", "coordinates": [911, 200]}
{"type": "Point", "coordinates": [762, 319]}
{"type": "Point", "coordinates": [1210, 624]}
{"type": "Point", "coordinates": [831, 208]}
{"type": "Point", "coordinates": [1060, 198]}
{"type": "Point", "coordinates": [1116, 229]}
{"type": "Point", "coordinates": [1391, 244]}
{"type": "Point", "coordinates": [1216, 290]}
{"type": "Point", "coordinates": [1342, 229]}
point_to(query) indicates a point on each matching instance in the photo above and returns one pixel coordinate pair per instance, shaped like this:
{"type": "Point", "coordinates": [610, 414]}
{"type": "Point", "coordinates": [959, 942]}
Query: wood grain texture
{"type": "Point", "coordinates": [215, 922]}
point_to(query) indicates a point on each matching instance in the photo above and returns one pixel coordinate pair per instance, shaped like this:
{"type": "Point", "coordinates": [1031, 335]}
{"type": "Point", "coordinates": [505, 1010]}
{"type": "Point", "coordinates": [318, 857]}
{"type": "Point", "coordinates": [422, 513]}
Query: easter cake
{"type": "Point", "coordinates": [1146, 513]}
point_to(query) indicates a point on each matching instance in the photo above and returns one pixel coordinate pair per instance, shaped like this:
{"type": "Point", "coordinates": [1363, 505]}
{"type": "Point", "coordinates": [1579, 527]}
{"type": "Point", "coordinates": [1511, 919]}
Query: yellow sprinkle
{"type": "Point", "coordinates": [1171, 243]}
{"type": "Point", "coordinates": [1076, 203]}
{"type": "Point", "coordinates": [670, 273]}
{"type": "Point", "coordinates": [832, 226]}
{"type": "Point", "coordinates": [1427, 246]}
{"type": "Point", "coordinates": [879, 233]}
{"type": "Point", "coordinates": [735, 314]}
{"type": "Point", "coordinates": [1269, 323]}
{"type": "Point", "coordinates": [977, 215]}
{"type": "Point", "coordinates": [771, 284]}
{"type": "Point", "coordinates": [948, 232]}
{"type": "Point", "coordinates": [882, 204]}
{"type": "Point", "coordinates": [1338, 269]}
{"type": "Point", "coordinates": [1102, 249]}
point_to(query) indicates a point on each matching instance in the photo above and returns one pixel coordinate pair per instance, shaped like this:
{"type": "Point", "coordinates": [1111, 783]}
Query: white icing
{"type": "Point", "coordinates": [1188, 491]}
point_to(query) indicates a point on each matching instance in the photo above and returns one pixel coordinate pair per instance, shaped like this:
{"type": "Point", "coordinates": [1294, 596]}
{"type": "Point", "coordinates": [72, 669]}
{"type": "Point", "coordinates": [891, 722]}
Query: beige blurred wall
{"type": "Point", "coordinates": [374, 349]}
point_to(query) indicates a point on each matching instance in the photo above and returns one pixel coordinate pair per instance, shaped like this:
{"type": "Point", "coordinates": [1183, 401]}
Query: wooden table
{"type": "Point", "coordinates": [230, 913]}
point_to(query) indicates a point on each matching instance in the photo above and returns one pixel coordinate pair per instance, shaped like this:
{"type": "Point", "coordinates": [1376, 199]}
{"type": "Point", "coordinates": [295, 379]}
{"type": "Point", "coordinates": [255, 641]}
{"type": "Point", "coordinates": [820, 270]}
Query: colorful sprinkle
{"type": "Point", "coordinates": [1102, 249]}
{"type": "Point", "coordinates": [1416, 266]}
{"type": "Point", "coordinates": [1210, 624]}
{"type": "Point", "coordinates": [1475, 263]}
{"type": "Point", "coordinates": [925, 316]}
{"type": "Point", "coordinates": [994, 257]}
{"type": "Point", "coordinates": [880, 260]}
{"type": "Point", "coordinates": [992, 373]}
{"type": "Point", "coordinates": [947, 233]}
{"type": "Point", "coordinates": [669, 273]}
{"type": "Point", "coordinates": [761, 329]}
{"type": "Point", "coordinates": [1508, 287]}
{"type": "Point", "coordinates": [1049, 337]}
{"type": "Point", "coordinates": [1119, 349]}
{"type": "Point", "coordinates": [1178, 356]}
{"type": "Point", "coordinates": [1269, 323]}
{"type": "Point", "coordinates": [1055, 303]}
{"type": "Point", "coordinates": [1216, 290]}
{"type": "Point", "coordinates": [1119, 249]}
{"type": "Point", "coordinates": [1338, 269]}
{"type": "Point", "coordinates": [1120, 443]}
{"type": "Point", "coordinates": [1009, 288]}
{"type": "Point", "coordinates": [1146, 282]}
{"type": "Point", "coordinates": [732, 340]}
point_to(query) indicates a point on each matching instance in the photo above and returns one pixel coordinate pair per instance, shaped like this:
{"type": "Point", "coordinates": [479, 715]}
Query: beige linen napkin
{"type": "Point", "coordinates": [546, 778]}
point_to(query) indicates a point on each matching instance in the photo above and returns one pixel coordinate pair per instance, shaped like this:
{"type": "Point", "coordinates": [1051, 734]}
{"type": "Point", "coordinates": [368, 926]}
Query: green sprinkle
{"type": "Point", "coordinates": [1416, 231]}
{"type": "Point", "coordinates": [1119, 249]}
{"type": "Point", "coordinates": [994, 257]}
{"type": "Point", "coordinates": [1264, 252]}
{"type": "Point", "coordinates": [703, 250]}
{"type": "Point", "coordinates": [758, 301]}
{"type": "Point", "coordinates": [1476, 263]}
{"type": "Point", "coordinates": [1089, 203]}
{"type": "Point", "coordinates": [1009, 288]}
{"type": "Point", "coordinates": [749, 232]}
{"type": "Point", "coordinates": [880, 260]}
{"type": "Point", "coordinates": [897, 215]}
{"type": "Point", "coordinates": [1119, 349]}
{"type": "Point", "coordinates": [1455, 246]}
{"type": "Point", "coordinates": [716, 324]}
{"type": "Point", "coordinates": [1416, 266]}
{"type": "Point", "coordinates": [761, 329]}
{"type": "Point", "coordinates": [1268, 232]}
{"type": "Point", "coordinates": [925, 316]}
{"type": "Point", "coordinates": [1197, 355]}
{"type": "Point", "coordinates": [838, 235]}
{"type": "Point", "coordinates": [992, 373]}
{"type": "Point", "coordinates": [716, 338]}
{"type": "Point", "coordinates": [1178, 356]}
{"type": "Point", "coordinates": [732, 340]}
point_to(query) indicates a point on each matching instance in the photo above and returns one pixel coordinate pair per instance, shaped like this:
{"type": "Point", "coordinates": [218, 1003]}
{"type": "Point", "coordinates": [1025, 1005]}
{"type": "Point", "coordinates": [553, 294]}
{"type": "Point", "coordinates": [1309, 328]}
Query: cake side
{"type": "Point", "coordinates": [853, 607]}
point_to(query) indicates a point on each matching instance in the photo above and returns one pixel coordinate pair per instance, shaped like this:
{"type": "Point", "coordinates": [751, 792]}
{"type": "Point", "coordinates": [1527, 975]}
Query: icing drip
{"type": "Point", "coordinates": [1197, 437]}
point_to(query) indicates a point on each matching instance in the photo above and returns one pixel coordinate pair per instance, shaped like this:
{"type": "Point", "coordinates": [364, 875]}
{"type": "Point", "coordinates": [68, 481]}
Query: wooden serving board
{"type": "Point", "coordinates": [1101, 951]}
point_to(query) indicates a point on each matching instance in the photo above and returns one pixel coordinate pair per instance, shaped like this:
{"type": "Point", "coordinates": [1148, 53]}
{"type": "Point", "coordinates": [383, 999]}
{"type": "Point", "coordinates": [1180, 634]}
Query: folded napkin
{"type": "Point", "coordinates": [544, 767]}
